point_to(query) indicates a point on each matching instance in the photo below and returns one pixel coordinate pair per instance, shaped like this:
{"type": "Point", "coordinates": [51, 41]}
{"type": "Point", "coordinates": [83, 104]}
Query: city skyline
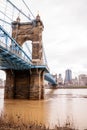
{"type": "Point", "coordinates": [3, 74]}
{"type": "Point", "coordinates": [64, 35]}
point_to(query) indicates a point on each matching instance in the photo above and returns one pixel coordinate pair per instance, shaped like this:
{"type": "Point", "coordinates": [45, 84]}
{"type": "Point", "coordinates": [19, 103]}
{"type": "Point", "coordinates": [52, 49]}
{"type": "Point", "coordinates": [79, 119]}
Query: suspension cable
{"type": "Point", "coordinates": [8, 8]}
{"type": "Point", "coordinates": [5, 21]}
{"type": "Point", "coordinates": [5, 11]}
{"type": "Point", "coordinates": [19, 10]}
{"type": "Point", "coordinates": [5, 15]}
{"type": "Point", "coordinates": [28, 8]}
{"type": "Point", "coordinates": [44, 54]}
{"type": "Point", "coordinates": [12, 13]}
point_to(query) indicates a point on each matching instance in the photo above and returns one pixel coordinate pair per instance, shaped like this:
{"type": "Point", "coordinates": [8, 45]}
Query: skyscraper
{"type": "Point", "coordinates": [68, 76]}
{"type": "Point", "coordinates": [60, 80]}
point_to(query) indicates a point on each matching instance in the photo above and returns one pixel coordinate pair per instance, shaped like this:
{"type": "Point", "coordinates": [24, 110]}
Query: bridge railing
{"type": "Point", "coordinates": [11, 45]}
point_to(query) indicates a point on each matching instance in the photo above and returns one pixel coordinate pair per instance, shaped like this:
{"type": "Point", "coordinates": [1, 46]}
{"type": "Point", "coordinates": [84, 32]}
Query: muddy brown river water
{"type": "Point", "coordinates": [58, 106]}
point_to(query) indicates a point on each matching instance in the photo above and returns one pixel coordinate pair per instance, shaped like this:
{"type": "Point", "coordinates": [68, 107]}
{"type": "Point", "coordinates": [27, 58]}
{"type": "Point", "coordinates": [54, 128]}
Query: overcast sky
{"type": "Point", "coordinates": [65, 33]}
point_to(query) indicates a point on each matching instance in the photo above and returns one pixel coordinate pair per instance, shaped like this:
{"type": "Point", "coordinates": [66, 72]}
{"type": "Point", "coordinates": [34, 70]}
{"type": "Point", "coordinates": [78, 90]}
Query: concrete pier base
{"type": "Point", "coordinates": [9, 85]}
{"type": "Point", "coordinates": [36, 84]}
{"type": "Point", "coordinates": [24, 84]}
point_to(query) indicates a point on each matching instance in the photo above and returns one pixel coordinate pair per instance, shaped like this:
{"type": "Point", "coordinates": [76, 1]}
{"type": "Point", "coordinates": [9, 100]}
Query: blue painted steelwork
{"type": "Point", "coordinates": [50, 78]}
{"type": "Point", "coordinates": [12, 53]}
{"type": "Point", "coordinates": [13, 57]}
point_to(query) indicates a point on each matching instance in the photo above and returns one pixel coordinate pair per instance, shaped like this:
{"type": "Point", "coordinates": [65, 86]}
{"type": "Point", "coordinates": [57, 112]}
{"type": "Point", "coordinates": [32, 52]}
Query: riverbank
{"type": "Point", "coordinates": [66, 87]}
{"type": "Point", "coordinates": [58, 106]}
{"type": "Point", "coordinates": [73, 87]}
{"type": "Point", "coordinates": [9, 124]}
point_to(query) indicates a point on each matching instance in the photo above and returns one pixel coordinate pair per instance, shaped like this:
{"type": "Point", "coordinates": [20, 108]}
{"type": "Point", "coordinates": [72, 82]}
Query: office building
{"type": "Point", "coordinates": [82, 80]}
{"type": "Point", "coordinates": [60, 80]}
{"type": "Point", "coordinates": [68, 76]}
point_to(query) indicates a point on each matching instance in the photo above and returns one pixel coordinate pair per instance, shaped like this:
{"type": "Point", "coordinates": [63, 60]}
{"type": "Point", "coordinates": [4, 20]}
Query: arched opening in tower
{"type": "Point", "coordinates": [27, 47]}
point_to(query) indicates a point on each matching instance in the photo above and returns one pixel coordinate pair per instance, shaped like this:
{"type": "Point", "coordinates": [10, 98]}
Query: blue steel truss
{"type": "Point", "coordinates": [12, 56]}
{"type": "Point", "coordinates": [50, 78]}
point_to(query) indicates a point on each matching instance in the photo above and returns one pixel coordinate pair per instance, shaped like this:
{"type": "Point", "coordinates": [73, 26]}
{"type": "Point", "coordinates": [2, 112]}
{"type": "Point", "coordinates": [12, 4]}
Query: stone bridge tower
{"type": "Point", "coordinates": [22, 32]}
{"type": "Point", "coordinates": [27, 84]}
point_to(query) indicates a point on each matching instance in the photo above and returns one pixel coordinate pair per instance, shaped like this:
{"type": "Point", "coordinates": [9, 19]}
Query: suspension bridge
{"type": "Point", "coordinates": [25, 69]}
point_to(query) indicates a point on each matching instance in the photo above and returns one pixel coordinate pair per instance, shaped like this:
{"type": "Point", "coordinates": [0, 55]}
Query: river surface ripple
{"type": "Point", "coordinates": [58, 106]}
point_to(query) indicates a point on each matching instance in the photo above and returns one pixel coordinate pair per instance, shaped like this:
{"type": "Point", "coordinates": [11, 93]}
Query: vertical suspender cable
{"type": "Point", "coordinates": [18, 10]}
{"type": "Point", "coordinates": [6, 16]}
{"type": "Point", "coordinates": [5, 11]}
{"type": "Point", "coordinates": [28, 8]}
{"type": "Point", "coordinates": [28, 49]}
{"type": "Point", "coordinates": [44, 55]}
{"type": "Point", "coordinates": [12, 13]}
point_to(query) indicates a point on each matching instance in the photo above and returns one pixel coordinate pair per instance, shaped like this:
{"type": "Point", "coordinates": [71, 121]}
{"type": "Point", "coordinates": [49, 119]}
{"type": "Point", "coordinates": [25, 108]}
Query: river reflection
{"type": "Point", "coordinates": [59, 104]}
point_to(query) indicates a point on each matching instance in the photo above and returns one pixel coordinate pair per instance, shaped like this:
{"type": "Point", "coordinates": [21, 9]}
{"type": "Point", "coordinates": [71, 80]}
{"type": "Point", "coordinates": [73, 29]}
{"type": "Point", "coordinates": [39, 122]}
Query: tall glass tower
{"type": "Point", "coordinates": [68, 76]}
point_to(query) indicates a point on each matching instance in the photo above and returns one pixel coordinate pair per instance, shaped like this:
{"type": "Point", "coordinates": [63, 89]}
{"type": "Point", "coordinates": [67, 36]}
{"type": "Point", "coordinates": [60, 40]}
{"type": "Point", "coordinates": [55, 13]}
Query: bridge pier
{"type": "Point", "coordinates": [9, 85]}
{"type": "Point", "coordinates": [37, 84]}
{"type": "Point", "coordinates": [27, 84]}
{"type": "Point", "coordinates": [24, 84]}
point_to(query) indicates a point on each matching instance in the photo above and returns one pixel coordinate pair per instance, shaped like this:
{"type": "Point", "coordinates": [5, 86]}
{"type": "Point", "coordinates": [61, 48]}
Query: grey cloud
{"type": "Point", "coordinates": [76, 56]}
{"type": "Point", "coordinates": [65, 31]}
